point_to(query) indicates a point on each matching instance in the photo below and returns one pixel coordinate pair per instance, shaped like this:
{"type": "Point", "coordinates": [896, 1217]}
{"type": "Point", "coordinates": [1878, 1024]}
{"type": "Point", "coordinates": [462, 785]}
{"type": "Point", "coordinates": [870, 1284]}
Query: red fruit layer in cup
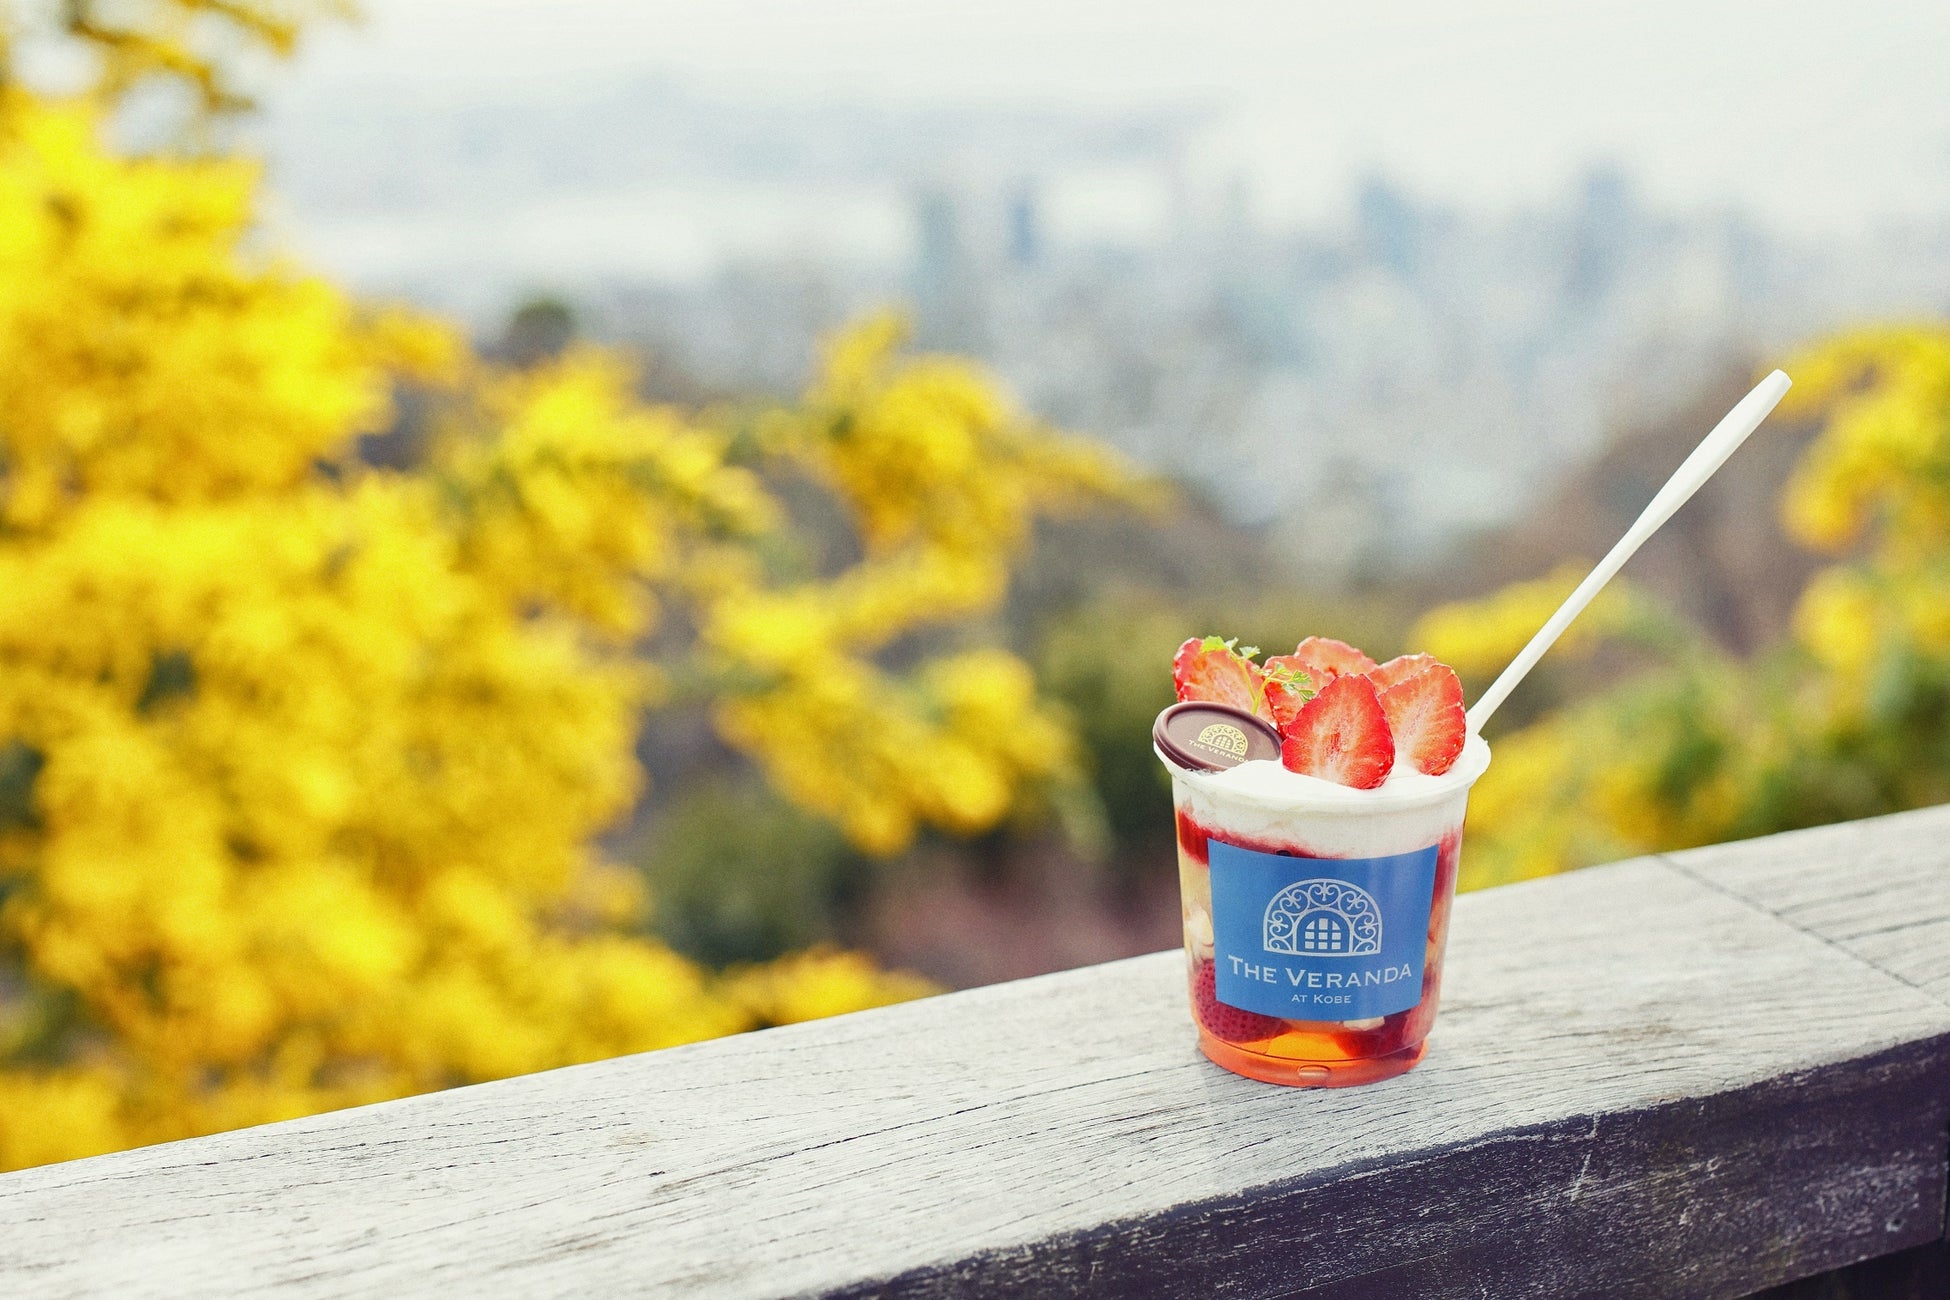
{"type": "Point", "coordinates": [1192, 839]}
{"type": "Point", "coordinates": [1326, 1041]}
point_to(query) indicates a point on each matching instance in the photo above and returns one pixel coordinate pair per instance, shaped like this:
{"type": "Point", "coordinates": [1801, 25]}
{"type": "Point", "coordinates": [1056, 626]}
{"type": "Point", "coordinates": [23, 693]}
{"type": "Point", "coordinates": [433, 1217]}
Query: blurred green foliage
{"type": "Point", "coordinates": [1846, 715]}
{"type": "Point", "coordinates": [738, 875]}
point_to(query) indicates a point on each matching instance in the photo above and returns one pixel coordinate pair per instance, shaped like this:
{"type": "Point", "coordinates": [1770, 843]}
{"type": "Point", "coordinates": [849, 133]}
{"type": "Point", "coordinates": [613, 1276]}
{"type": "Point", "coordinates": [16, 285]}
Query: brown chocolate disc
{"type": "Point", "coordinates": [1213, 737]}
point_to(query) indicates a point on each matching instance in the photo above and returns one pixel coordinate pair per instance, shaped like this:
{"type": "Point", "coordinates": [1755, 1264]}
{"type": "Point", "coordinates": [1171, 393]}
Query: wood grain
{"type": "Point", "coordinates": [1878, 889]}
{"type": "Point", "coordinates": [1921, 1273]}
{"type": "Point", "coordinates": [1644, 1082]}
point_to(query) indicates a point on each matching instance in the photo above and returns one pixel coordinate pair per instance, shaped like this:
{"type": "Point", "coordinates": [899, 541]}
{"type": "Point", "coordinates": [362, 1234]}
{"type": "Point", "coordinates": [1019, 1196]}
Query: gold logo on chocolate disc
{"type": "Point", "coordinates": [1224, 738]}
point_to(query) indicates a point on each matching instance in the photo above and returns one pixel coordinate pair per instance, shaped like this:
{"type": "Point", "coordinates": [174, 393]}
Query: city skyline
{"type": "Point", "coordinates": [1410, 354]}
{"type": "Point", "coordinates": [1823, 119]}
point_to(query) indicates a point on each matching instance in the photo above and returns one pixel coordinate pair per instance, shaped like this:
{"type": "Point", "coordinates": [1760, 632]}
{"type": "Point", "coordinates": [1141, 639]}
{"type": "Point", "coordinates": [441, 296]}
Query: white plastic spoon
{"type": "Point", "coordinates": [1711, 453]}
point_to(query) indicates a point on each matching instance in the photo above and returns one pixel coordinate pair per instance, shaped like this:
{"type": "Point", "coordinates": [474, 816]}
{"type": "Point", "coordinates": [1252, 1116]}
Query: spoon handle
{"type": "Point", "coordinates": [1693, 472]}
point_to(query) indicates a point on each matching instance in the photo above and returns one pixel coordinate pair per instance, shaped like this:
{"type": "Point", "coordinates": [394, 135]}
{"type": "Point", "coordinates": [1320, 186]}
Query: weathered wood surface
{"type": "Point", "coordinates": [1877, 889]}
{"type": "Point", "coordinates": [1920, 1273]}
{"type": "Point", "coordinates": [1649, 1079]}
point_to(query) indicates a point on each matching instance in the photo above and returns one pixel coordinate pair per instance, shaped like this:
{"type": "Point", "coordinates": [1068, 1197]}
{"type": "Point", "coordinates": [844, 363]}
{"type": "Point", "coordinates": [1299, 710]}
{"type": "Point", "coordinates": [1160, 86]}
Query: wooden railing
{"type": "Point", "coordinates": [1699, 1075]}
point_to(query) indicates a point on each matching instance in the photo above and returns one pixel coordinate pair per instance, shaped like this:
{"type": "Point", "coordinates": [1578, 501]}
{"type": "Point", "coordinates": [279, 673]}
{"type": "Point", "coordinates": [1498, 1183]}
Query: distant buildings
{"type": "Point", "coordinates": [1370, 389]}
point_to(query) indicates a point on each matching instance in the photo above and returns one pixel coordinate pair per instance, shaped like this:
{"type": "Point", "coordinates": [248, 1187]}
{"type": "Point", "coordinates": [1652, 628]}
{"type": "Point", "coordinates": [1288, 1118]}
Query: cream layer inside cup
{"type": "Point", "coordinates": [1263, 802]}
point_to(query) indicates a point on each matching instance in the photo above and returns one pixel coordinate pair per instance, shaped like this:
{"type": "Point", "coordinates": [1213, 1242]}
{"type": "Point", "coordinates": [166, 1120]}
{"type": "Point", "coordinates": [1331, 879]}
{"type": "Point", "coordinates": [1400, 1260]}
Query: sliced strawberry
{"type": "Point", "coordinates": [1289, 666]}
{"type": "Point", "coordinates": [1425, 713]}
{"type": "Point", "coordinates": [1228, 1022]}
{"type": "Point", "coordinates": [1337, 657]}
{"type": "Point", "coordinates": [1323, 659]}
{"type": "Point", "coordinates": [1341, 735]}
{"type": "Point", "coordinates": [1286, 691]}
{"type": "Point", "coordinates": [1206, 668]}
{"type": "Point", "coordinates": [1399, 669]}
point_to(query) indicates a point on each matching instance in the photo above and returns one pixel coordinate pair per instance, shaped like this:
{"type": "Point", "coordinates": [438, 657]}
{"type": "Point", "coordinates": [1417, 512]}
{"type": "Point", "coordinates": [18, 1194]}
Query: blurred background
{"type": "Point", "coordinates": [534, 530]}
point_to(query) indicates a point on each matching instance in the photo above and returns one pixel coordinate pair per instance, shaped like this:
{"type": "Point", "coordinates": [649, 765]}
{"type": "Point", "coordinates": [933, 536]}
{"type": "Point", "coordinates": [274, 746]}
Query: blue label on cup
{"type": "Point", "coordinates": [1320, 938]}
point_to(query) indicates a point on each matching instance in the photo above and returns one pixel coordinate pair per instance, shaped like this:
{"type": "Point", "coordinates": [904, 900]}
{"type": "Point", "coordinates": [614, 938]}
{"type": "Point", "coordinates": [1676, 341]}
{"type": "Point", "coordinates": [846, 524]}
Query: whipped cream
{"type": "Point", "coordinates": [1262, 801]}
{"type": "Point", "coordinates": [1267, 781]}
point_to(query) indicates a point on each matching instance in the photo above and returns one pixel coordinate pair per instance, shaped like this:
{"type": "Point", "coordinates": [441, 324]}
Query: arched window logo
{"type": "Point", "coordinates": [1323, 918]}
{"type": "Point", "coordinates": [1223, 738]}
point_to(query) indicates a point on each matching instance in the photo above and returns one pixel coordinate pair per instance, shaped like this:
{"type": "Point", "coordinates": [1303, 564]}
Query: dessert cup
{"type": "Point", "coordinates": [1315, 916]}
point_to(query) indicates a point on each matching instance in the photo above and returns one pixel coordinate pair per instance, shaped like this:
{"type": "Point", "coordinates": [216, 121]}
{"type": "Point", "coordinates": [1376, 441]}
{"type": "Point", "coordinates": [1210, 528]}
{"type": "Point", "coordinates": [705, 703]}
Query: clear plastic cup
{"type": "Point", "coordinates": [1315, 917]}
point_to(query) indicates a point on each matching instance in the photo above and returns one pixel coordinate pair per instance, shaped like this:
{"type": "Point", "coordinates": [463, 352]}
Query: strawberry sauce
{"type": "Point", "coordinates": [1192, 839]}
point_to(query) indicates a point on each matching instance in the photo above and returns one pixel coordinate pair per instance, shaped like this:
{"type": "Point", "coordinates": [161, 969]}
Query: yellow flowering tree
{"type": "Point", "coordinates": [303, 761]}
{"type": "Point", "coordinates": [1849, 717]}
{"type": "Point", "coordinates": [944, 480]}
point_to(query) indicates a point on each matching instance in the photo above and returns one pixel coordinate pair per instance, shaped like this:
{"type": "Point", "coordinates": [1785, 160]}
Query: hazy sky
{"type": "Point", "coordinates": [1821, 116]}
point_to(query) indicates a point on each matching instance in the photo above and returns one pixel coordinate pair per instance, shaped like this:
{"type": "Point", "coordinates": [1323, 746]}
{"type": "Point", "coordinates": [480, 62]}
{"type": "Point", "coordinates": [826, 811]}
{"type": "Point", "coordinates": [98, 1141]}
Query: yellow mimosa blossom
{"type": "Point", "coordinates": [304, 761]}
{"type": "Point", "coordinates": [1844, 719]}
{"type": "Point", "coordinates": [1477, 638]}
